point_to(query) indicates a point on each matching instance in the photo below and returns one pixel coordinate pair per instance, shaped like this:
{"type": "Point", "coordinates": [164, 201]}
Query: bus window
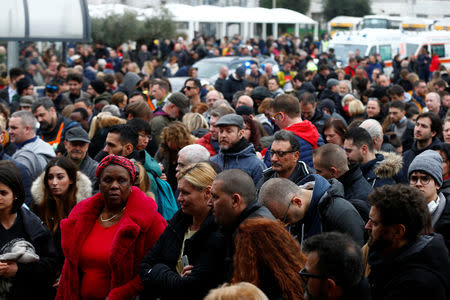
{"type": "Point", "coordinates": [385, 52]}
{"type": "Point", "coordinates": [439, 49]}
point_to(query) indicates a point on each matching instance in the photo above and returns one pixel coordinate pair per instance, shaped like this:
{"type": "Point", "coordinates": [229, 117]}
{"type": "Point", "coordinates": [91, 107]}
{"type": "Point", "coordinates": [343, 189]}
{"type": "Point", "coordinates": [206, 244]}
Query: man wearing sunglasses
{"type": "Point", "coordinates": [334, 268]}
{"type": "Point", "coordinates": [425, 174]}
{"type": "Point", "coordinates": [406, 261]}
{"type": "Point", "coordinates": [192, 89]}
{"type": "Point", "coordinates": [284, 157]}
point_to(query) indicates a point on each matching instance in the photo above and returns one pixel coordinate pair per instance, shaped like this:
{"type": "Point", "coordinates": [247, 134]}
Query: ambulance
{"type": "Point", "coordinates": [386, 42]}
{"type": "Point", "coordinates": [416, 24]}
{"type": "Point", "coordinates": [343, 23]}
{"type": "Point", "coordinates": [433, 41]}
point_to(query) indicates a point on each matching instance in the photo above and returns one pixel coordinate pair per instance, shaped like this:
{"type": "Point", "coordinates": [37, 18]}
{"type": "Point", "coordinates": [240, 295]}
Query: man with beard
{"type": "Point", "coordinates": [334, 268]}
{"type": "Point", "coordinates": [31, 151]}
{"type": "Point", "coordinates": [235, 151]}
{"type": "Point", "coordinates": [404, 262]}
{"type": "Point", "coordinates": [53, 126]}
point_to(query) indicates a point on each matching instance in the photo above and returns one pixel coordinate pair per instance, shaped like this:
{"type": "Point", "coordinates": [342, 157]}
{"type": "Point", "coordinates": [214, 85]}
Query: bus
{"type": "Point", "coordinates": [381, 22]}
{"type": "Point", "coordinates": [343, 23]}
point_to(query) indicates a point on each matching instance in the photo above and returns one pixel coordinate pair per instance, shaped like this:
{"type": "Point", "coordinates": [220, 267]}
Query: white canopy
{"type": "Point", "coordinates": [193, 15]}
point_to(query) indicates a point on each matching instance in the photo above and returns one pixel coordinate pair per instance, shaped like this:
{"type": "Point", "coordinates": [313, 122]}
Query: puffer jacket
{"type": "Point", "coordinates": [381, 170]}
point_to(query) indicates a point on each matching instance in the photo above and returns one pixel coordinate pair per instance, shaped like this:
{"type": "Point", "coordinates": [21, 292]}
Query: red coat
{"type": "Point", "coordinates": [205, 141]}
{"type": "Point", "coordinates": [139, 229]}
{"type": "Point", "coordinates": [434, 65]}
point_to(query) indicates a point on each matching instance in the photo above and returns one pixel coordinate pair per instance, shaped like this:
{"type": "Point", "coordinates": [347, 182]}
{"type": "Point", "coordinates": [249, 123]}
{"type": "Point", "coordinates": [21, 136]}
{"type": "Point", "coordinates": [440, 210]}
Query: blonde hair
{"type": "Point", "coordinates": [143, 181]}
{"type": "Point", "coordinates": [239, 291]}
{"type": "Point", "coordinates": [355, 107]}
{"type": "Point", "coordinates": [194, 121]}
{"type": "Point", "coordinates": [199, 175]}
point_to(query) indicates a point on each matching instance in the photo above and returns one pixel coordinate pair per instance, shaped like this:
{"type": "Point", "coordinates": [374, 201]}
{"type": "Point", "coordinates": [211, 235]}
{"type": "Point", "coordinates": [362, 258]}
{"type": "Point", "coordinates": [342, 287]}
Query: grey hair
{"type": "Point", "coordinates": [113, 109]}
{"type": "Point", "coordinates": [26, 118]}
{"type": "Point", "coordinates": [373, 127]}
{"type": "Point", "coordinates": [194, 153]}
{"type": "Point", "coordinates": [277, 190]}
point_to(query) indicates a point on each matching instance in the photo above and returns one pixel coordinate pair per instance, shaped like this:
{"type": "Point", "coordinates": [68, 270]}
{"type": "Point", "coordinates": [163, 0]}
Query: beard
{"type": "Point", "coordinates": [379, 244]}
{"type": "Point", "coordinates": [44, 125]}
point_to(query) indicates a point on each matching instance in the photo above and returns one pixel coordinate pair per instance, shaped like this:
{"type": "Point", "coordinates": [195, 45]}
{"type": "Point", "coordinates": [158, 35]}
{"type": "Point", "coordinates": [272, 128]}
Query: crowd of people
{"type": "Point", "coordinates": [313, 182]}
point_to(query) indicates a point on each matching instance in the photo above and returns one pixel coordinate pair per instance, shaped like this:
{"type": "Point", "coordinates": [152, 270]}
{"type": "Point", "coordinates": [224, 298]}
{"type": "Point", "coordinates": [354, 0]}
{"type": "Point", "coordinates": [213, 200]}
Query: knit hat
{"type": "Point", "coordinates": [116, 160]}
{"type": "Point", "coordinates": [429, 162]}
{"type": "Point", "coordinates": [98, 86]}
{"type": "Point", "coordinates": [332, 82]}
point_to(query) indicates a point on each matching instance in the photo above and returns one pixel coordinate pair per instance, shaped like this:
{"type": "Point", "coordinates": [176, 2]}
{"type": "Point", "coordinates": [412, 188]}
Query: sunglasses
{"type": "Point", "coordinates": [306, 276]}
{"type": "Point", "coordinates": [51, 88]}
{"type": "Point", "coordinates": [189, 87]}
{"type": "Point", "coordinates": [280, 154]}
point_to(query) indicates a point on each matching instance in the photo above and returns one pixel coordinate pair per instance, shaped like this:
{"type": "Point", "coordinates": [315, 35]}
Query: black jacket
{"type": "Point", "coordinates": [233, 85]}
{"type": "Point", "coordinates": [205, 251]}
{"type": "Point", "coordinates": [34, 280]}
{"type": "Point", "coordinates": [442, 225]}
{"type": "Point", "coordinates": [318, 119]}
{"type": "Point", "coordinates": [420, 270]}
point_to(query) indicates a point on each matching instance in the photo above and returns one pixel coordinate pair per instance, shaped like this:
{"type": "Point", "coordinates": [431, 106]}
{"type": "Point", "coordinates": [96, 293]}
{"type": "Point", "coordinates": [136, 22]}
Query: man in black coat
{"type": "Point", "coordinates": [308, 107]}
{"type": "Point", "coordinates": [235, 82]}
{"type": "Point", "coordinates": [404, 262]}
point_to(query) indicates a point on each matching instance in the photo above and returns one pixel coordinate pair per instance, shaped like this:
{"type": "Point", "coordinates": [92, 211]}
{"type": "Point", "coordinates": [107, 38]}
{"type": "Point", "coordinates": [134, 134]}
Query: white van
{"type": "Point", "coordinates": [434, 41]}
{"type": "Point", "coordinates": [386, 42]}
{"type": "Point", "coordinates": [342, 23]}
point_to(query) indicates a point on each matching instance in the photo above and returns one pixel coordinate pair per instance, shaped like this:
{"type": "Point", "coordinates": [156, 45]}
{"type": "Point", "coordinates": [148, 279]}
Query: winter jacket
{"type": "Point", "coordinates": [129, 83]}
{"type": "Point", "coordinates": [420, 270]}
{"type": "Point", "coordinates": [211, 145]}
{"type": "Point", "coordinates": [309, 139]}
{"type": "Point", "coordinates": [408, 136]}
{"type": "Point", "coordinates": [253, 210]}
{"type": "Point", "coordinates": [329, 211]}
{"type": "Point", "coordinates": [233, 85]}
{"type": "Point", "coordinates": [137, 232]}
{"type": "Point", "coordinates": [442, 225]}
{"type": "Point", "coordinates": [245, 160]}
{"type": "Point", "coordinates": [34, 154]}
{"type": "Point", "coordinates": [72, 97]}
{"type": "Point", "coordinates": [56, 137]}
{"type": "Point", "coordinates": [88, 167]}
{"type": "Point", "coordinates": [409, 156]}
{"type": "Point", "coordinates": [34, 280]}
{"type": "Point", "coordinates": [220, 84]}
{"type": "Point", "coordinates": [24, 174]}
{"type": "Point", "coordinates": [84, 190]}
{"type": "Point", "coordinates": [205, 251]}
{"type": "Point", "coordinates": [318, 119]}
{"type": "Point", "coordinates": [301, 171]}
{"type": "Point", "coordinates": [381, 170]}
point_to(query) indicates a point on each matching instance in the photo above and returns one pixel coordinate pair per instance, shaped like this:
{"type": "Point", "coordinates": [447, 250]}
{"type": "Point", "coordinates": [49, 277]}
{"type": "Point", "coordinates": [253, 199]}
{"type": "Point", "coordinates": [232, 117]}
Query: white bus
{"type": "Point", "coordinates": [343, 23]}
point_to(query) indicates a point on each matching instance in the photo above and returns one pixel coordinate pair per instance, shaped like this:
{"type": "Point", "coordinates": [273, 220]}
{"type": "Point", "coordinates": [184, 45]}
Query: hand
{"type": "Point", "coordinates": [56, 284]}
{"type": "Point", "coordinates": [187, 271]}
{"type": "Point", "coordinates": [163, 176]}
{"type": "Point", "coordinates": [8, 269]}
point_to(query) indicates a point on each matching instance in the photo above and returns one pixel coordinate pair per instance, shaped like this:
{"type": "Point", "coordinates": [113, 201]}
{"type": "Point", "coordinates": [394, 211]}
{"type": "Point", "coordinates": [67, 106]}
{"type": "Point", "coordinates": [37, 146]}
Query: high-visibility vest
{"type": "Point", "coordinates": [57, 140]}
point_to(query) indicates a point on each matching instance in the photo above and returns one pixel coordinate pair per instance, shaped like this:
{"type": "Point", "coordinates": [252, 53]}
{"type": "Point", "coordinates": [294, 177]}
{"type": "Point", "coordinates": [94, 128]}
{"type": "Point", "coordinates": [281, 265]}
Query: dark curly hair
{"type": "Point", "coordinates": [401, 204]}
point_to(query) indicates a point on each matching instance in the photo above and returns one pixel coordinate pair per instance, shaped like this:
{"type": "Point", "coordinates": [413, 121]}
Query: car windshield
{"type": "Point", "coordinates": [341, 51]}
{"type": "Point", "coordinates": [207, 69]}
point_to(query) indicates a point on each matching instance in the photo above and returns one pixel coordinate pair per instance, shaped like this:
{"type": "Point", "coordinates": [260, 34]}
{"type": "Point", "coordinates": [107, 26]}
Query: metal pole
{"type": "Point", "coordinates": [274, 3]}
{"type": "Point", "coordinates": [13, 55]}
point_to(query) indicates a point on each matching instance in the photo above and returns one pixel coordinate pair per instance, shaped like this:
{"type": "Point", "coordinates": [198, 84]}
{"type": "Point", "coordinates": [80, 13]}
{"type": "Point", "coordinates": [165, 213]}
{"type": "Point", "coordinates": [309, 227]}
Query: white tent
{"type": "Point", "coordinates": [220, 16]}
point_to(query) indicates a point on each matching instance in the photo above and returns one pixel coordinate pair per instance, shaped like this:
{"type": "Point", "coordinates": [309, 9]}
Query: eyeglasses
{"type": "Point", "coordinates": [275, 116]}
{"type": "Point", "coordinates": [189, 87]}
{"type": "Point", "coordinates": [280, 154]}
{"type": "Point", "coordinates": [287, 210]}
{"type": "Point", "coordinates": [306, 276]}
{"type": "Point", "coordinates": [425, 179]}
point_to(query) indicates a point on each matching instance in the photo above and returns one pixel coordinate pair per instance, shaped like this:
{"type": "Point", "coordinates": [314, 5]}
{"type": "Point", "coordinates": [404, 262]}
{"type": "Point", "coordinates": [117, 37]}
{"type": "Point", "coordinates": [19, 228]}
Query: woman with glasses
{"type": "Point", "coordinates": [270, 258]}
{"type": "Point", "coordinates": [188, 259]}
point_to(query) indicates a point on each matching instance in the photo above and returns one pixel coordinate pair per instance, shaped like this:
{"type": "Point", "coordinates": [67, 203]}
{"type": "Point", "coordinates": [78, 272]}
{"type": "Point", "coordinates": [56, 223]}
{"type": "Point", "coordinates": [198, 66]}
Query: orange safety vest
{"type": "Point", "coordinates": [58, 136]}
{"type": "Point", "coordinates": [149, 101]}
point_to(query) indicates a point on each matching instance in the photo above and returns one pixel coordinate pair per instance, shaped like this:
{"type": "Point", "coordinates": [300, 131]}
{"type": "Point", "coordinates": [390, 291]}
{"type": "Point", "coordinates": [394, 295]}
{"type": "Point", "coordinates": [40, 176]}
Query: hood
{"type": "Point", "coordinates": [233, 77]}
{"type": "Point", "coordinates": [305, 130]}
{"type": "Point", "coordinates": [151, 165]}
{"type": "Point", "coordinates": [319, 184]}
{"type": "Point", "coordinates": [129, 82]}
{"type": "Point", "coordinates": [389, 166]}
{"type": "Point", "coordinates": [84, 188]}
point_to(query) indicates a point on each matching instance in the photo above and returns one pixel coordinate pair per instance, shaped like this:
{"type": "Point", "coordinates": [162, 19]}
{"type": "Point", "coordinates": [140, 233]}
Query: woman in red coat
{"type": "Point", "coordinates": [106, 237]}
{"type": "Point", "coordinates": [434, 65]}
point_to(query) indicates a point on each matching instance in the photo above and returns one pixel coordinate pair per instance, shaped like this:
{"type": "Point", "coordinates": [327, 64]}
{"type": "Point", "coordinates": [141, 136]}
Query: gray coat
{"type": "Point", "coordinates": [34, 156]}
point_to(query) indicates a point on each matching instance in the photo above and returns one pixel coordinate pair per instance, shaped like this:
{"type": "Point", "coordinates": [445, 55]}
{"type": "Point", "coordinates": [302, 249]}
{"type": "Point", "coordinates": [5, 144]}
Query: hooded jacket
{"type": "Point", "coordinates": [245, 160]}
{"type": "Point", "coordinates": [300, 171]}
{"type": "Point", "coordinates": [34, 155]}
{"type": "Point", "coordinates": [210, 145]}
{"type": "Point", "coordinates": [420, 270]}
{"type": "Point", "coordinates": [233, 85]}
{"type": "Point", "coordinates": [130, 80]}
{"type": "Point", "coordinates": [309, 139]}
{"type": "Point", "coordinates": [379, 171]}
{"type": "Point", "coordinates": [137, 232]}
{"type": "Point", "coordinates": [318, 119]}
{"type": "Point", "coordinates": [329, 211]}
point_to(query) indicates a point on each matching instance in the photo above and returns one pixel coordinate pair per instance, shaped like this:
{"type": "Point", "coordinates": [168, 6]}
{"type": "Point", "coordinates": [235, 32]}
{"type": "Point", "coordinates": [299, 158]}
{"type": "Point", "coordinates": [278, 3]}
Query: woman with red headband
{"type": "Point", "coordinates": [106, 236]}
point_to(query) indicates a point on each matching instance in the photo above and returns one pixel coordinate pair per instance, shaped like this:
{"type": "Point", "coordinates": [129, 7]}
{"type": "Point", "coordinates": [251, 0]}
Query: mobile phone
{"type": "Point", "coordinates": [184, 261]}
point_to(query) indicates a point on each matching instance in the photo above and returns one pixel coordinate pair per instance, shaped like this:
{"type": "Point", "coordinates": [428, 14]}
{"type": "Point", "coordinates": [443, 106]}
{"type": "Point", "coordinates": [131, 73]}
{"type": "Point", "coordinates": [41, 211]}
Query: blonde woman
{"type": "Point", "coordinates": [196, 124]}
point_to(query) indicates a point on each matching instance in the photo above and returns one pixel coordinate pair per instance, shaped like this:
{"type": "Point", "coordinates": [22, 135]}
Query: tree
{"type": "Point", "coordinates": [116, 29]}
{"type": "Point", "coordinates": [301, 6]}
{"type": "Point", "coordinates": [354, 8]}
